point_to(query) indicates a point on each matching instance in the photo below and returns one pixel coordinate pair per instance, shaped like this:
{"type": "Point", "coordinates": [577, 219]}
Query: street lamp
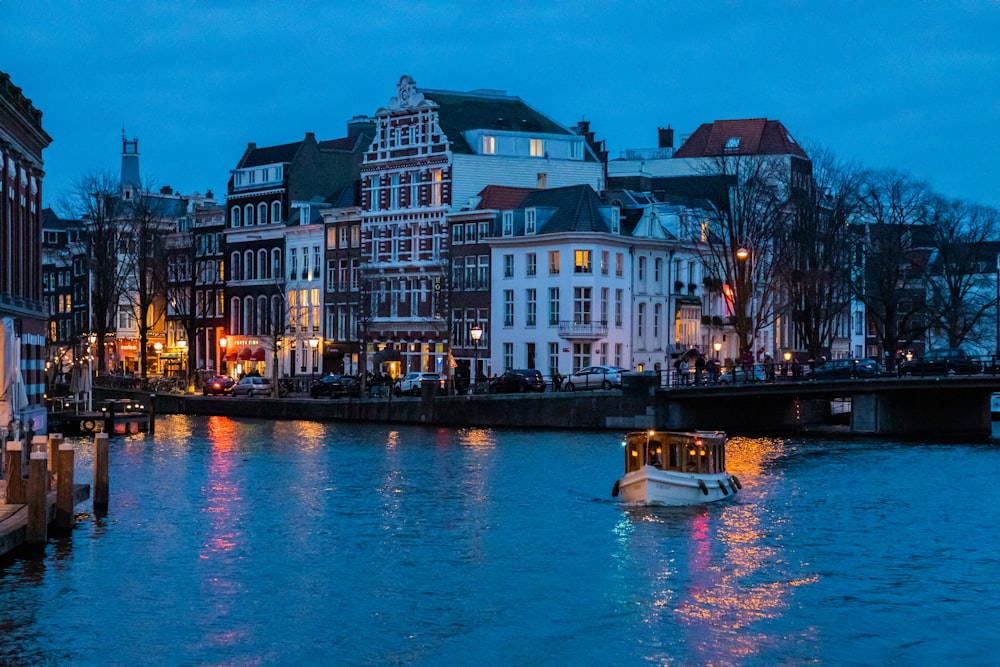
{"type": "Point", "coordinates": [788, 359]}
{"type": "Point", "coordinates": [182, 344]}
{"type": "Point", "coordinates": [313, 344]}
{"type": "Point", "coordinates": [223, 342]}
{"type": "Point", "coordinates": [744, 255]}
{"type": "Point", "coordinates": [717, 346]}
{"type": "Point", "coordinates": [158, 346]}
{"type": "Point", "coordinates": [476, 332]}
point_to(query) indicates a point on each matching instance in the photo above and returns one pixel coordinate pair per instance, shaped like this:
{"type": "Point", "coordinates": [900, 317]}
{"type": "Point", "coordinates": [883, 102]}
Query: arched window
{"type": "Point", "coordinates": [276, 211]}
{"type": "Point", "coordinates": [276, 262]}
{"type": "Point", "coordinates": [248, 320]}
{"type": "Point", "coordinates": [262, 267]}
{"type": "Point", "coordinates": [248, 267]}
{"type": "Point", "coordinates": [641, 323]}
{"type": "Point", "coordinates": [234, 267]}
{"type": "Point", "coordinates": [234, 316]}
{"type": "Point", "coordinates": [263, 321]}
{"type": "Point", "coordinates": [262, 213]}
{"type": "Point", "coordinates": [248, 215]}
{"type": "Point", "coordinates": [234, 217]}
{"type": "Point", "coordinates": [277, 315]}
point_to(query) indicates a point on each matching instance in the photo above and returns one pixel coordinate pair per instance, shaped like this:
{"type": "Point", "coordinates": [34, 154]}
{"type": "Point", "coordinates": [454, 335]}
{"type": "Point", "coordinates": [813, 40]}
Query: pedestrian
{"type": "Point", "coordinates": [769, 368]}
{"type": "Point", "coordinates": [684, 369]}
{"type": "Point", "coordinates": [699, 370]}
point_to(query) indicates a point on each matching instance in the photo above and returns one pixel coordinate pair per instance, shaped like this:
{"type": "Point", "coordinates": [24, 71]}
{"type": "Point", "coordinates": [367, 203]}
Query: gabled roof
{"type": "Point", "coordinates": [459, 112]}
{"type": "Point", "coordinates": [501, 197]}
{"type": "Point", "coordinates": [256, 157]}
{"type": "Point", "coordinates": [574, 208]}
{"type": "Point", "coordinates": [751, 136]}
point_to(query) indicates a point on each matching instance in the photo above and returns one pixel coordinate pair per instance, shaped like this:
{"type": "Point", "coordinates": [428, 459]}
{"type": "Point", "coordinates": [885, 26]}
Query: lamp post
{"type": "Point", "coordinates": [182, 344]}
{"type": "Point", "coordinates": [223, 342]}
{"type": "Point", "coordinates": [788, 360]}
{"type": "Point", "coordinates": [744, 255]}
{"type": "Point", "coordinates": [313, 345]}
{"type": "Point", "coordinates": [476, 332]}
{"type": "Point", "coordinates": [158, 346]}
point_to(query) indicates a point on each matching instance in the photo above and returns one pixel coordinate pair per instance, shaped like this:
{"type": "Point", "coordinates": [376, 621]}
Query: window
{"type": "Point", "coordinates": [374, 193]}
{"type": "Point", "coordinates": [457, 234]}
{"type": "Point", "coordinates": [642, 269]}
{"type": "Point", "coordinates": [276, 212]}
{"type": "Point", "coordinates": [508, 223]}
{"type": "Point", "coordinates": [531, 305]}
{"type": "Point", "coordinates": [732, 144]}
{"type": "Point", "coordinates": [619, 264]}
{"type": "Point", "coordinates": [657, 317]}
{"type": "Point", "coordinates": [262, 213]}
{"type": "Point", "coordinates": [604, 306]}
{"type": "Point", "coordinates": [582, 261]}
{"type": "Point", "coordinates": [581, 305]}
{"type": "Point", "coordinates": [540, 181]}
{"type": "Point", "coordinates": [248, 215]}
{"type": "Point", "coordinates": [315, 264]}
{"type": "Point", "coordinates": [553, 305]}
{"type": "Point", "coordinates": [470, 232]}
{"type": "Point", "coordinates": [553, 358]}
{"type": "Point", "coordinates": [234, 217]}
{"type": "Point", "coordinates": [489, 144]}
{"type": "Point", "coordinates": [508, 355]}
{"type": "Point", "coordinates": [619, 298]}
{"type": "Point", "coordinates": [394, 191]}
{"type": "Point", "coordinates": [640, 321]}
{"type": "Point", "coordinates": [529, 221]}
{"type": "Point", "coordinates": [531, 264]}
{"type": "Point", "coordinates": [508, 266]}
{"type": "Point", "coordinates": [581, 356]}
{"type": "Point", "coordinates": [508, 307]}
{"type": "Point", "coordinates": [293, 263]}
{"type": "Point", "coordinates": [616, 220]}
{"type": "Point", "coordinates": [537, 148]}
{"type": "Point", "coordinates": [437, 177]}
{"type": "Point", "coordinates": [605, 262]}
{"type": "Point", "coordinates": [553, 262]}
{"type": "Point", "coordinates": [658, 271]}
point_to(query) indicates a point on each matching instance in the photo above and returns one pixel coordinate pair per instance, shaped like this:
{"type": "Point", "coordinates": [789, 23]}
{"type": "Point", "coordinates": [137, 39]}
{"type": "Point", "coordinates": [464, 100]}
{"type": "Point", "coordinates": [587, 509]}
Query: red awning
{"type": "Point", "coordinates": [233, 355]}
{"type": "Point", "coordinates": [245, 354]}
{"type": "Point", "coordinates": [259, 354]}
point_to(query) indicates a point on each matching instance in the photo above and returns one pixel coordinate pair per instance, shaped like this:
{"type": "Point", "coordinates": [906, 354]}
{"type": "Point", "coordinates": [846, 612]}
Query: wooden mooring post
{"type": "Point", "coordinates": [64, 486]}
{"type": "Point", "coordinates": [101, 472]}
{"type": "Point", "coordinates": [12, 473]}
{"type": "Point", "coordinates": [38, 488]}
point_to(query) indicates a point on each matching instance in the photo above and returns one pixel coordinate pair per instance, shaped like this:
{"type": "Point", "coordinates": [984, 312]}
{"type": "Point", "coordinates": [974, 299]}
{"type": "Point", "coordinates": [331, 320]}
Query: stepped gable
{"type": "Point", "coordinates": [757, 136]}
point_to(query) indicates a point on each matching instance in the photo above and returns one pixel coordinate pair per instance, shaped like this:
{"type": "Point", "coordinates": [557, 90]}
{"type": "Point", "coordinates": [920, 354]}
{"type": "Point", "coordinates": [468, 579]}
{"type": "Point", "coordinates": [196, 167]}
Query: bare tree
{"type": "Point", "coordinates": [817, 252]}
{"type": "Point", "coordinates": [94, 200]}
{"type": "Point", "coordinates": [891, 207]}
{"type": "Point", "coordinates": [958, 298]}
{"type": "Point", "coordinates": [147, 223]}
{"type": "Point", "coordinates": [751, 206]}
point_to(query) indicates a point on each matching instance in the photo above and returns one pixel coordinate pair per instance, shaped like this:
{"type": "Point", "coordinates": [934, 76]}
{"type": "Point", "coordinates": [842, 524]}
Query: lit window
{"type": "Point", "coordinates": [582, 261]}
{"type": "Point", "coordinates": [537, 148]}
{"type": "Point", "coordinates": [489, 144]}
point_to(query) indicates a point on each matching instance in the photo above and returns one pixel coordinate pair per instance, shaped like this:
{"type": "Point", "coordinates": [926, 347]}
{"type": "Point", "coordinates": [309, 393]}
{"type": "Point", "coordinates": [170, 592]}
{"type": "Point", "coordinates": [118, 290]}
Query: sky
{"type": "Point", "coordinates": [912, 86]}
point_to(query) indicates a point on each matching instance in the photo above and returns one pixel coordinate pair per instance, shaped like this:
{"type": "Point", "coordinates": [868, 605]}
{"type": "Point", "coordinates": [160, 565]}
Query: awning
{"type": "Point", "coordinates": [259, 354]}
{"type": "Point", "coordinates": [245, 354]}
{"type": "Point", "coordinates": [233, 355]}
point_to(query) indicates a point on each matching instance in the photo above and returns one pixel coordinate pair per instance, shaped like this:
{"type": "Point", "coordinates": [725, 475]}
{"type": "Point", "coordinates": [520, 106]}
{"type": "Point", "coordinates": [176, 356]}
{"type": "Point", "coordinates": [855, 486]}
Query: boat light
{"type": "Point", "coordinates": [692, 453]}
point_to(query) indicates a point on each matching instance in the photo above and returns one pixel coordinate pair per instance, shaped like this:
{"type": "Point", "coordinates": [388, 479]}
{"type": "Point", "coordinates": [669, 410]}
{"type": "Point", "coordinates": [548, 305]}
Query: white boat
{"type": "Point", "coordinates": [675, 468]}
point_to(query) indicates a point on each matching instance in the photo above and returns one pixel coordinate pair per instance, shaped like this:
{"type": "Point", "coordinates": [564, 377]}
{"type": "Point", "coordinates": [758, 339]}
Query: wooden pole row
{"type": "Point", "coordinates": [52, 458]}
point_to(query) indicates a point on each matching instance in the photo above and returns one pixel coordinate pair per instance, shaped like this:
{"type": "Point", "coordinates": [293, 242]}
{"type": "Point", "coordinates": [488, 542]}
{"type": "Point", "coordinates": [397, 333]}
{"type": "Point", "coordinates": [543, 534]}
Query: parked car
{"type": "Point", "coordinates": [594, 377]}
{"type": "Point", "coordinates": [252, 385]}
{"type": "Point", "coordinates": [731, 375]}
{"type": "Point", "coordinates": [942, 362]}
{"type": "Point", "coordinates": [336, 386]}
{"type": "Point", "coordinates": [517, 380]}
{"type": "Point", "coordinates": [411, 382]}
{"type": "Point", "coordinates": [841, 369]}
{"type": "Point", "coordinates": [218, 385]}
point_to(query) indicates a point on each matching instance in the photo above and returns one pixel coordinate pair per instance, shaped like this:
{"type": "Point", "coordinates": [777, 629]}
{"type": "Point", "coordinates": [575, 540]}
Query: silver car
{"type": "Point", "coordinates": [594, 377]}
{"type": "Point", "coordinates": [252, 385]}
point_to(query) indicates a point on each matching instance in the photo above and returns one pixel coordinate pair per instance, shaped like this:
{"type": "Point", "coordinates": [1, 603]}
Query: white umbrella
{"type": "Point", "coordinates": [13, 393]}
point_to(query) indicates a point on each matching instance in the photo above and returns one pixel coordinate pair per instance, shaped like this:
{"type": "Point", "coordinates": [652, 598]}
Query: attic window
{"type": "Point", "coordinates": [789, 137]}
{"type": "Point", "coordinates": [733, 144]}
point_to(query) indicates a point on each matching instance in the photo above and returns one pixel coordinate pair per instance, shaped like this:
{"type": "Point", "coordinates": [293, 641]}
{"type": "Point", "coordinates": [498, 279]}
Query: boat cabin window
{"type": "Point", "coordinates": [670, 451]}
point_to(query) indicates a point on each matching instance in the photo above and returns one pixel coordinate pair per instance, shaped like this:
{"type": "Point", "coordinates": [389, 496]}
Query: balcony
{"type": "Point", "coordinates": [582, 330]}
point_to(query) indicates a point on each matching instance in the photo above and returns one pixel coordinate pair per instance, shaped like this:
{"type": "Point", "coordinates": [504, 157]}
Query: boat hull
{"type": "Point", "coordinates": [652, 486]}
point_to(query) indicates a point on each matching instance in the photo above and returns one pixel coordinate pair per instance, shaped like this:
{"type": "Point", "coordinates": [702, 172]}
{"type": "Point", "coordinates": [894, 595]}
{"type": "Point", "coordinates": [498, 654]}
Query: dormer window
{"type": "Point", "coordinates": [732, 144]}
{"type": "Point", "coordinates": [508, 223]}
{"type": "Point", "coordinates": [537, 148]}
{"type": "Point", "coordinates": [616, 220]}
{"type": "Point", "coordinates": [489, 144]}
{"type": "Point", "coordinates": [529, 221]}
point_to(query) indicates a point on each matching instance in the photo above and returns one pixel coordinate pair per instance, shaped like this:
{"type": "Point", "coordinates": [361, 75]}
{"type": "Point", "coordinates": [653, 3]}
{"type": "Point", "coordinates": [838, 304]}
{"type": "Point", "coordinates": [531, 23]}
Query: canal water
{"type": "Point", "coordinates": [235, 542]}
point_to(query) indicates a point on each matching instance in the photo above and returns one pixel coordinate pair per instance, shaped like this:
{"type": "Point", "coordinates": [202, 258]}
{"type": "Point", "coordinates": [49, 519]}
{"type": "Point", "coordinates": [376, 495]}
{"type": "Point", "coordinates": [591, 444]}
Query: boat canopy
{"type": "Point", "coordinates": [701, 452]}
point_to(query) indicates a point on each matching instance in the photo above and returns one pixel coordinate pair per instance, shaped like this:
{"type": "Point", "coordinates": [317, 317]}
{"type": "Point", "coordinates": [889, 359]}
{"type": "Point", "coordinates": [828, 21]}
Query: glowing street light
{"type": "Point", "coordinates": [158, 346]}
{"type": "Point", "coordinates": [313, 344]}
{"type": "Point", "coordinates": [476, 332]}
{"type": "Point", "coordinates": [223, 342]}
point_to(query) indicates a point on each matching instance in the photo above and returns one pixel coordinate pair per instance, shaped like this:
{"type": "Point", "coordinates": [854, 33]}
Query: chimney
{"type": "Point", "coordinates": [666, 137]}
{"type": "Point", "coordinates": [311, 136]}
{"type": "Point", "coordinates": [166, 190]}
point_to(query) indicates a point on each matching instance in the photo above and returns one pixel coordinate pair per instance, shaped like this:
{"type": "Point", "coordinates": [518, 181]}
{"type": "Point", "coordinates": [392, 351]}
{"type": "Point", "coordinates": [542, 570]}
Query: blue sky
{"type": "Point", "coordinates": [907, 85]}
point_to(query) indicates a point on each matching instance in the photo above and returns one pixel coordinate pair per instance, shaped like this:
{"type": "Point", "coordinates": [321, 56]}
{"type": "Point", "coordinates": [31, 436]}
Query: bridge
{"type": "Point", "coordinates": [947, 407]}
